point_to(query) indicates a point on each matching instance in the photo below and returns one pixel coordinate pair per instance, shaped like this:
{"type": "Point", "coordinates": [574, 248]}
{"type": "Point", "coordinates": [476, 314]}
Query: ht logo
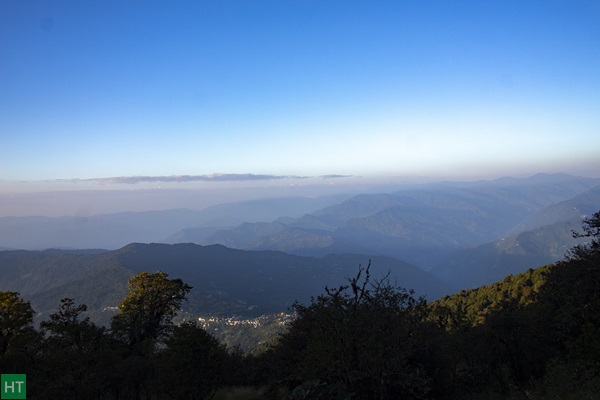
{"type": "Point", "coordinates": [14, 386]}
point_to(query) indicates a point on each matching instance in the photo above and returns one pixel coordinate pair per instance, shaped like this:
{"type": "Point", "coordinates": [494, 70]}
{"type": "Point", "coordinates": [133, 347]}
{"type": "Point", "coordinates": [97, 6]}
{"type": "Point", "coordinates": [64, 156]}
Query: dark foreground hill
{"type": "Point", "coordinates": [225, 281]}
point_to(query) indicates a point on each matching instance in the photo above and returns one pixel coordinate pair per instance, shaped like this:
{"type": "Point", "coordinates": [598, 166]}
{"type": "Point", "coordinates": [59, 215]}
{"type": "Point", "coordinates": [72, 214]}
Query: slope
{"type": "Point", "coordinates": [225, 281]}
{"type": "Point", "coordinates": [543, 244]}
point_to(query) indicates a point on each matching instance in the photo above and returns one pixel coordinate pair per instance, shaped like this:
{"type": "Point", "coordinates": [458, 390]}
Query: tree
{"type": "Point", "coordinates": [193, 363]}
{"type": "Point", "coordinates": [19, 341]}
{"type": "Point", "coordinates": [146, 314]}
{"type": "Point", "coordinates": [76, 355]}
{"type": "Point", "coordinates": [64, 323]}
{"type": "Point", "coordinates": [145, 319]}
{"type": "Point", "coordinates": [591, 229]}
{"type": "Point", "coordinates": [368, 338]}
{"type": "Point", "coordinates": [16, 317]}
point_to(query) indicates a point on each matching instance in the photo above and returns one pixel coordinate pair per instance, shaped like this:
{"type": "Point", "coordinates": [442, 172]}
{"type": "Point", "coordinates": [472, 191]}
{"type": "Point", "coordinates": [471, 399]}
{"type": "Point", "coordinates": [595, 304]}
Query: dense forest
{"type": "Point", "coordinates": [535, 335]}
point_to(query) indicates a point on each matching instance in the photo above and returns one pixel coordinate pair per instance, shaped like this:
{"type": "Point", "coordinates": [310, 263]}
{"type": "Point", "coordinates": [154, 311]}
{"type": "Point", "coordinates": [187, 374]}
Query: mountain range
{"type": "Point", "coordinates": [112, 231]}
{"type": "Point", "coordinates": [469, 234]}
{"type": "Point", "coordinates": [466, 234]}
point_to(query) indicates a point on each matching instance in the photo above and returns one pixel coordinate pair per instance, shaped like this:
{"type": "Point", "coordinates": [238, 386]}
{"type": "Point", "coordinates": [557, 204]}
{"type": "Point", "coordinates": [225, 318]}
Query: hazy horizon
{"type": "Point", "coordinates": [97, 196]}
{"type": "Point", "coordinates": [85, 198]}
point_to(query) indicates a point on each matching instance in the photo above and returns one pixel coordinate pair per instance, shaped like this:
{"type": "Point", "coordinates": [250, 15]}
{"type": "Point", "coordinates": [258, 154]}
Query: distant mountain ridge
{"type": "Point", "coordinates": [537, 246]}
{"type": "Point", "coordinates": [422, 225]}
{"type": "Point", "coordinates": [112, 231]}
{"type": "Point", "coordinates": [574, 208]}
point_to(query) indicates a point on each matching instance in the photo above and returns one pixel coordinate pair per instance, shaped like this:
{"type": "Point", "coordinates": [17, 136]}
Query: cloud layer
{"type": "Point", "coordinates": [132, 180]}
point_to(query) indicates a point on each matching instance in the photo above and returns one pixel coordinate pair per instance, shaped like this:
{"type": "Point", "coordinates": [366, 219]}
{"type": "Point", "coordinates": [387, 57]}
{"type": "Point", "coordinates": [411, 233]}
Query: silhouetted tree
{"type": "Point", "coordinates": [77, 357]}
{"type": "Point", "coordinates": [145, 319]}
{"type": "Point", "coordinates": [193, 364]}
{"type": "Point", "coordinates": [16, 317]}
{"type": "Point", "coordinates": [591, 229]}
{"type": "Point", "coordinates": [368, 338]}
{"type": "Point", "coordinates": [19, 341]}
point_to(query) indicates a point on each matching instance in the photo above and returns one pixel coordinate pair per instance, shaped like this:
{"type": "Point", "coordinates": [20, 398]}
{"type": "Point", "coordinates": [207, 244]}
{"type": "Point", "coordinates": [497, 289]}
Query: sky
{"type": "Point", "coordinates": [126, 92]}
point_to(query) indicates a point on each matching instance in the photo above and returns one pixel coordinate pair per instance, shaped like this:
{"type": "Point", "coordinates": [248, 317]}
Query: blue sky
{"type": "Point", "coordinates": [97, 89]}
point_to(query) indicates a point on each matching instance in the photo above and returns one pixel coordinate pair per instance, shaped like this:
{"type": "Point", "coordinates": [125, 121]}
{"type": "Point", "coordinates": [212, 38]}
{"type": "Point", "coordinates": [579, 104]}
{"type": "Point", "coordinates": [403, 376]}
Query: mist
{"type": "Point", "coordinates": [91, 197]}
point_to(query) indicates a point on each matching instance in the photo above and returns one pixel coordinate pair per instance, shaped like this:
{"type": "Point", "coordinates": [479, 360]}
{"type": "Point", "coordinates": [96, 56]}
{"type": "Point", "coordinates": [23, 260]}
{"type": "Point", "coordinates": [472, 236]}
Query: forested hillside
{"type": "Point", "coordinates": [535, 335]}
{"type": "Point", "coordinates": [227, 282]}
